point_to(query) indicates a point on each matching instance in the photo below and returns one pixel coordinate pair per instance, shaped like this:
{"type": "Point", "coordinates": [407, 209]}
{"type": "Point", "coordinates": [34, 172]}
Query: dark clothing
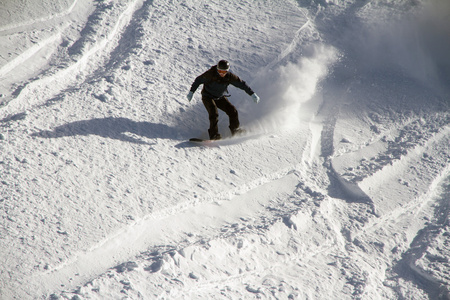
{"type": "Point", "coordinates": [214, 92]}
{"type": "Point", "coordinates": [222, 103]}
{"type": "Point", "coordinates": [216, 86]}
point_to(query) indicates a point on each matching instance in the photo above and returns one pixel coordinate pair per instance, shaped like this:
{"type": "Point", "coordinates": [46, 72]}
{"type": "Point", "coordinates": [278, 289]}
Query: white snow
{"type": "Point", "coordinates": [340, 189]}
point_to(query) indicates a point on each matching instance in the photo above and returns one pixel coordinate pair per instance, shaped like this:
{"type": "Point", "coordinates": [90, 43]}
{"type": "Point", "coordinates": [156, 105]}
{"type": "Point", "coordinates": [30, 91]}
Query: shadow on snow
{"type": "Point", "coordinates": [114, 128]}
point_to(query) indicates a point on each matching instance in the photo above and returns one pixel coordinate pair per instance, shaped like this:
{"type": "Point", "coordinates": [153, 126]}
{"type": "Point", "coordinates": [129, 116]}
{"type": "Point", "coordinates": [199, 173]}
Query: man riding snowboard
{"type": "Point", "coordinates": [215, 84]}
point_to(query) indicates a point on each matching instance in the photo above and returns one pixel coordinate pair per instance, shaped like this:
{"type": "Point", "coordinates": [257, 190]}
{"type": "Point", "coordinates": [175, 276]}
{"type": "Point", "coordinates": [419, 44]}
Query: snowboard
{"type": "Point", "coordinates": [224, 141]}
{"type": "Point", "coordinates": [240, 133]}
{"type": "Point", "coordinates": [199, 140]}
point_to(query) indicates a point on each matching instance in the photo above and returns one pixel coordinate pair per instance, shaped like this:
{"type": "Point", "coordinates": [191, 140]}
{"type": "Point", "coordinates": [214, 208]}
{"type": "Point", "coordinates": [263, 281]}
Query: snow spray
{"type": "Point", "coordinates": [284, 88]}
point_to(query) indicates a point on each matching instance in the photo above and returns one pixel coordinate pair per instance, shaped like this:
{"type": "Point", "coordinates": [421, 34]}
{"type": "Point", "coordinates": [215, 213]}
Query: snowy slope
{"type": "Point", "coordinates": [340, 190]}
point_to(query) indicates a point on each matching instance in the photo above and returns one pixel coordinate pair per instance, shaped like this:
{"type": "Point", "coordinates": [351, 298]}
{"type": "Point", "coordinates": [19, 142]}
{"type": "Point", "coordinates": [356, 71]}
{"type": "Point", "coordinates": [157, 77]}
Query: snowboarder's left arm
{"type": "Point", "coordinates": [255, 98]}
{"type": "Point", "coordinates": [239, 83]}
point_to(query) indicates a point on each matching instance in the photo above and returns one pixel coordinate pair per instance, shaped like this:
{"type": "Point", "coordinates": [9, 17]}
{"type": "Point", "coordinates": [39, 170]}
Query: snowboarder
{"type": "Point", "coordinates": [215, 86]}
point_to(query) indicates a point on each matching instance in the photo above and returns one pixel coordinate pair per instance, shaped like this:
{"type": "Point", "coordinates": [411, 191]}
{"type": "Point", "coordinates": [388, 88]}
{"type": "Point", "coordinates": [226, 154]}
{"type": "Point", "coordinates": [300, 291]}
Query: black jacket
{"type": "Point", "coordinates": [215, 86]}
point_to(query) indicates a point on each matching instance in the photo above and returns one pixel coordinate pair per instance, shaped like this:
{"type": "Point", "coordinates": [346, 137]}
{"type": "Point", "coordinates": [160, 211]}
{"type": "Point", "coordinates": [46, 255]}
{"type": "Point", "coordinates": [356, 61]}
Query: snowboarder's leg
{"type": "Point", "coordinates": [213, 114]}
{"type": "Point", "coordinates": [231, 111]}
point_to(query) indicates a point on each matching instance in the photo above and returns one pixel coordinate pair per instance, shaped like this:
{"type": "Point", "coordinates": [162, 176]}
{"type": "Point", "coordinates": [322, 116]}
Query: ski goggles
{"type": "Point", "coordinates": [222, 72]}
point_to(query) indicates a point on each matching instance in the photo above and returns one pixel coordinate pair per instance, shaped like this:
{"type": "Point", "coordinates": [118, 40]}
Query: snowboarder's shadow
{"type": "Point", "coordinates": [115, 128]}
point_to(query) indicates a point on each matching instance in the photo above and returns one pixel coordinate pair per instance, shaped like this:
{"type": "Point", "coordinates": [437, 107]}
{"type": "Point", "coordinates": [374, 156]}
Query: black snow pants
{"type": "Point", "coordinates": [222, 103]}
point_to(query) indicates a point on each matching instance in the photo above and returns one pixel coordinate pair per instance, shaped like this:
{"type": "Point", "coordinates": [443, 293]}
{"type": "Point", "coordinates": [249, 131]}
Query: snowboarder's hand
{"type": "Point", "coordinates": [255, 98]}
{"type": "Point", "coordinates": [190, 95]}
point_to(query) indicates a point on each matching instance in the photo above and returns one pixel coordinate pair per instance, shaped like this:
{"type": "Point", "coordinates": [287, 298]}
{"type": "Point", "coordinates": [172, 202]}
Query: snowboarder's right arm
{"type": "Point", "coordinates": [190, 95]}
{"type": "Point", "coordinates": [199, 80]}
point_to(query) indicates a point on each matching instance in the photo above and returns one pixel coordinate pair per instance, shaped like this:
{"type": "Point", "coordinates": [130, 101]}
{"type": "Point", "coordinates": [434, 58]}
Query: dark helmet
{"type": "Point", "coordinates": [223, 65]}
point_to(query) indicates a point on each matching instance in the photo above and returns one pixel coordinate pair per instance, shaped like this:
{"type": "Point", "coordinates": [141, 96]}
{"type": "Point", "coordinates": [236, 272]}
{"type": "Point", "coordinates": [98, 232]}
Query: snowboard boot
{"type": "Point", "coordinates": [216, 136]}
{"type": "Point", "coordinates": [237, 131]}
{"type": "Point", "coordinates": [213, 134]}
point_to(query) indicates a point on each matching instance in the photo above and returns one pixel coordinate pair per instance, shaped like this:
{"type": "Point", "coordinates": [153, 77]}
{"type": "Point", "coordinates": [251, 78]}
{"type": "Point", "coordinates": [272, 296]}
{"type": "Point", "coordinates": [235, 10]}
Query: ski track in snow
{"type": "Point", "coordinates": [341, 194]}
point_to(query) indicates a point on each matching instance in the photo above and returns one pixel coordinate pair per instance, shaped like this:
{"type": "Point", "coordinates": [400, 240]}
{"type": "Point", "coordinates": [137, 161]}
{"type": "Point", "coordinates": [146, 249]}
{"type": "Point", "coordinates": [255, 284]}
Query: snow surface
{"type": "Point", "coordinates": [340, 190]}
